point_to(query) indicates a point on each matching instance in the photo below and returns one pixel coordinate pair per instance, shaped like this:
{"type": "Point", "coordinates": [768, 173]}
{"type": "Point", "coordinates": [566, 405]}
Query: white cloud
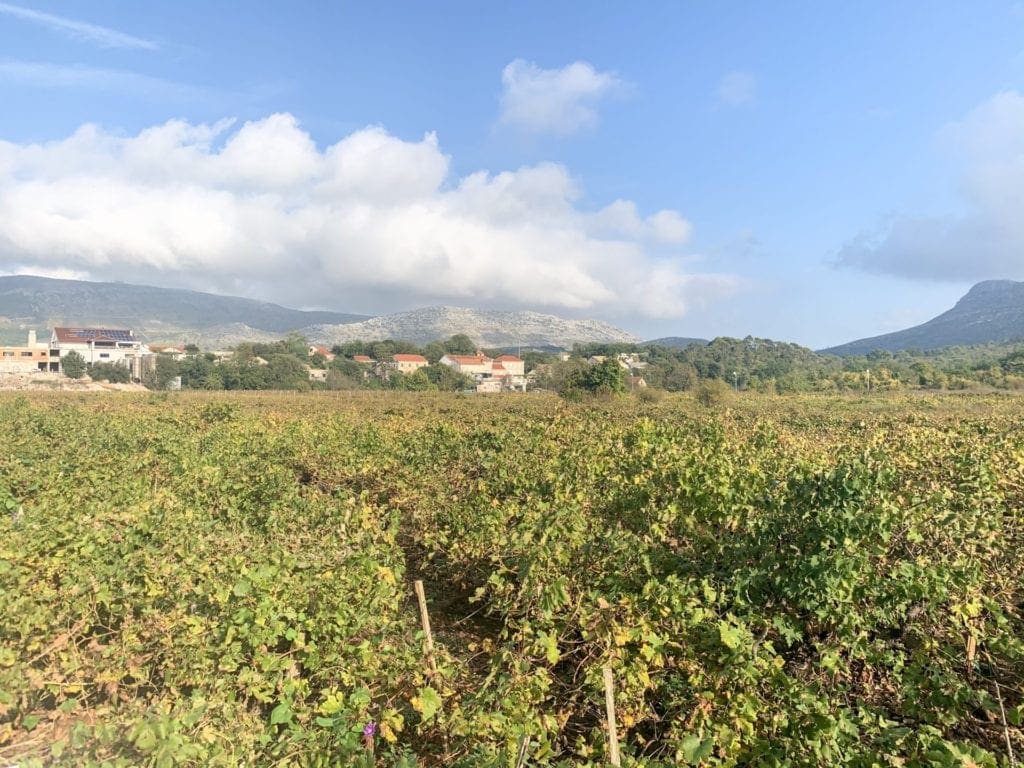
{"type": "Point", "coordinates": [258, 208]}
{"type": "Point", "coordinates": [622, 218]}
{"type": "Point", "coordinates": [81, 30]}
{"type": "Point", "coordinates": [737, 88]}
{"type": "Point", "coordinates": [986, 241]}
{"type": "Point", "coordinates": [558, 101]}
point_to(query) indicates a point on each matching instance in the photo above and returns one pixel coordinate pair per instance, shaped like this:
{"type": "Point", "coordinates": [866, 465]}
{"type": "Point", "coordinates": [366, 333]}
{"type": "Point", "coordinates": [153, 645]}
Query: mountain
{"type": "Point", "coordinates": [676, 342]}
{"type": "Point", "coordinates": [991, 312]}
{"type": "Point", "coordinates": [488, 328]}
{"type": "Point", "coordinates": [160, 314]}
{"type": "Point", "coordinates": [218, 322]}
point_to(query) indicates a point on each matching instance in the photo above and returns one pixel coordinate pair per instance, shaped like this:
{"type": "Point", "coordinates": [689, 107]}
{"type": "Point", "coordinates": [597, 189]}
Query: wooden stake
{"type": "Point", "coordinates": [971, 652]}
{"type": "Point", "coordinates": [428, 637]}
{"type": "Point", "coordinates": [1006, 729]}
{"type": "Point", "coordinates": [609, 703]}
{"type": "Point", "coordinates": [524, 744]}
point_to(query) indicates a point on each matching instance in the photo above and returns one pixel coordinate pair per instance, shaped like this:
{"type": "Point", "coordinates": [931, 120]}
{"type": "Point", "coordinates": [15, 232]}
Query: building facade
{"type": "Point", "coordinates": [34, 357]}
{"type": "Point", "coordinates": [101, 345]}
{"type": "Point", "coordinates": [408, 363]}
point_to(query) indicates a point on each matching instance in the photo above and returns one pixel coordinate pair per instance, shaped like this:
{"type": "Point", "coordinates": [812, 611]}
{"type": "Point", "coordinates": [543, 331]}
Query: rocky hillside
{"type": "Point", "coordinates": [219, 322]}
{"type": "Point", "coordinates": [488, 328]}
{"type": "Point", "coordinates": [155, 313]}
{"type": "Point", "coordinates": [991, 312]}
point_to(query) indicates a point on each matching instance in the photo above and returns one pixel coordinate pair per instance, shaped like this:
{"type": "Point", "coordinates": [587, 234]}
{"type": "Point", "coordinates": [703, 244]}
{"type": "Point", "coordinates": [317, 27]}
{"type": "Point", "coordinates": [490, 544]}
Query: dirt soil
{"type": "Point", "coordinates": [60, 382]}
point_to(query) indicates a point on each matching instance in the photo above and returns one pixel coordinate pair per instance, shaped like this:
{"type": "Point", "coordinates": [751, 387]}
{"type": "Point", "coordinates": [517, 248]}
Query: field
{"type": "Point", "coordinates": [206, 580]}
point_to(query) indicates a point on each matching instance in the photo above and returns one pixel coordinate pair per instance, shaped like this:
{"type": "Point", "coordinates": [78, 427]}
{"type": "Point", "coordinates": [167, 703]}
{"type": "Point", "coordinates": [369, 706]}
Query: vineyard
{"type": "Point", "coordinates": [211, 580]}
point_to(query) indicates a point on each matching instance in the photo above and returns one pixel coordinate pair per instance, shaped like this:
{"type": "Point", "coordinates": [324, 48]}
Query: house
{"type": "Point", "coordinates": [632, 361]}
{"type": "Point", "coordinates": [489, 385]}
{"type": "Point", "coordinates": [31, 358]}
{"type": "Point", "coordinates": [101, 345]}
{"type": "Point", "coordinates": [514, 365]}
{"type": "Point", "coordinates": [362, 359]}
{"type": "Point", "coordinates": [176, 352]}
{"type": "Point", "coordinates": [407, 363]}
{"type": "Point", "coordinates": [469, 365]}
{"type": "Point", "coordinates": [507, 370]}
{"type": "Point", "coordinates": [322, 351]}
{"type": "Point", "coordinates": [598, 359]}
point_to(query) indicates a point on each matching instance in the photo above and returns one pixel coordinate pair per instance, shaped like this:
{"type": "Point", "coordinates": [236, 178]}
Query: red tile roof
{"type": "Point", "coordinates": [362, 358]}
{"type": "Point", "coordinates": [409, 358]}
{"type": "Point", "coordinates": [469, 359]}
{"type": "Point", "coordinates": [509, 359]}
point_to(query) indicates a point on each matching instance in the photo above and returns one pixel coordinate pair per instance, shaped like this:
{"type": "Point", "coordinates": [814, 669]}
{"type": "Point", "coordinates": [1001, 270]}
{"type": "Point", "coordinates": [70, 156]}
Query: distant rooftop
{"type": "Point", "coordinates": [93, 334]}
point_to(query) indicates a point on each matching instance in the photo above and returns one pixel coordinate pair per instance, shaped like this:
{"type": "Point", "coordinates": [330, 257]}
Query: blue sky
{"type": "Point", "coordinates": [814, 172]}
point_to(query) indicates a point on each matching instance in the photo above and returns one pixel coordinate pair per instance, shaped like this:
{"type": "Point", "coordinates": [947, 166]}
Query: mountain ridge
{"type": "Point", "coordinates": [216, 322]}
{"type": "Point", "coordinates": [991, 311]}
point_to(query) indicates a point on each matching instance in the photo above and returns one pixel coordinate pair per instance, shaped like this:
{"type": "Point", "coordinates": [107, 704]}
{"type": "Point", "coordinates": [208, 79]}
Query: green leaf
{"type": "Point", "coordinates": [549, 640]}
{"type": "Point", "coordinates": [427, 702]}
{"type": "Point", "coordinates": [729, 635]}
{"type": "Point", "coordinates": [696, 749]}
{"type": "Point", "coordinates": [145, 741]}
{"type": "Point", "coordinates": [282, 714]}
{"type": "Point", "coordinates": [242, 588]}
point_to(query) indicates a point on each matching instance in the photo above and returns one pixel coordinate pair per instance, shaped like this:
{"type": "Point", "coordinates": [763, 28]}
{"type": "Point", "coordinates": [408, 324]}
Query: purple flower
{"type": "Point", "coordinates": [370, 730]}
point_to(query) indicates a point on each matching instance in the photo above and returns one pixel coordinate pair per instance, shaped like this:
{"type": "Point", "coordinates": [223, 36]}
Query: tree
{"type": "Point", "coordinates": [73, 365]}
{"type": "Point", "coordinates": [164, 369]}
{"type": "Point", "coordinates": [112, 372]}
{"type": "Point", "coordinates": [416, 381]}
{"type": "Point", "coordinates": [605, 378]}
{"type": "Point", "coordinates": [459, 344]}
{"type": "Point", "coordinates": [447, 379]}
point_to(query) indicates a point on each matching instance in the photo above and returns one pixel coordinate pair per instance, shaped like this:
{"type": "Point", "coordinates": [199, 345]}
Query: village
{"type": "Point", "coordinates": [74, 352]}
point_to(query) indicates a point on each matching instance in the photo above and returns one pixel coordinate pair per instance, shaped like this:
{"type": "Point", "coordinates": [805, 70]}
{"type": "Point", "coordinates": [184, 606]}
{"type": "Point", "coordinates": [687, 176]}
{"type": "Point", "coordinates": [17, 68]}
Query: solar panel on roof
{"type": "Point", "coordinates": [87, 334]}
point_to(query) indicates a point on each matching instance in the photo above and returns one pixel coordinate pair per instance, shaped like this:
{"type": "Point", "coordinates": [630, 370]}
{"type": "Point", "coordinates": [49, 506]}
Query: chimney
{"type": "Point", "coordinates": [32, 338]}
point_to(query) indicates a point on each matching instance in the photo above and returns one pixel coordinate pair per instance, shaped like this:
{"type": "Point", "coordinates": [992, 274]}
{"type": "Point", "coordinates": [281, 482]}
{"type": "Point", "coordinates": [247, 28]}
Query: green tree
{"type": "Point", "coordinates": [447, 379]}
{"type": "Point", "coordinates": [459, 344]}
{"type": "Point", "coordinates": [112, 372]}
{"type": "Point", "coordinates": [73, 365]}
{"type": "Point", "coordinates": [164, 369]}
{"type": "Point", "coordinates": [605, 378]}
{"type": "Point", "coordinates": [417, 381]}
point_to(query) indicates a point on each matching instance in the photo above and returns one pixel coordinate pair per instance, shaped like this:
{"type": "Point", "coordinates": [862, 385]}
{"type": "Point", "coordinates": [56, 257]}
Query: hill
{"type": "Point", "coordinates": [991, 312]}
{"type": "Point", "coordinates": [488, 328]}
{"type": "Point", "coordinates": [155, 313]}
{"type": "Point", "coordinates": [676, 342]}
{"type": "Point", "coordinates": [217, 322]}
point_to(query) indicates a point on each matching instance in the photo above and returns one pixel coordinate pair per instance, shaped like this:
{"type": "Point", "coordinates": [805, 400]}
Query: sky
{"type": "Point", "coordinates": [811, 172]}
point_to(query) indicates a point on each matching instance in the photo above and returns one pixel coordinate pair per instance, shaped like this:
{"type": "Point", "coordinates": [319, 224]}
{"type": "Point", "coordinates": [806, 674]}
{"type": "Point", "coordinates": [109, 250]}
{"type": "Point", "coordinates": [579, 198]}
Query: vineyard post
{"type": "Point", "coordinates": [524, 744]}
{"type": "Point", "coordinates": [428, 637]}
{"type": "Point", "coordinates": [609, 703]}
{"type": "Point", "coordinates": [1006, 729]}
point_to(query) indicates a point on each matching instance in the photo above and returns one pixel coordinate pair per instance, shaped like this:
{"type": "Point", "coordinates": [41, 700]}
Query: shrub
{"type": "Point", "coordinates": [712, 392]}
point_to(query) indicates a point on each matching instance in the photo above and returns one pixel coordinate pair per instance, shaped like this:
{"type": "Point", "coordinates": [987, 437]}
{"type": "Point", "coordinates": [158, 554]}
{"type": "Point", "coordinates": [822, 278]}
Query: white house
{"type": "Point", "coordinates": [469, 365]}
{"type": "Point", "coordinates": [514, 365]}
{"type": "Point", "coordinates": [505, 372]}
{"type": "Point", "coordinates": [101, 345]}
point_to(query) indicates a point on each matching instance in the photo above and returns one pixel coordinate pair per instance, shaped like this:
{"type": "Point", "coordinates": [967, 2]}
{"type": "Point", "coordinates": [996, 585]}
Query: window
{"type": "Point", "coordinates": [104, 354]}
{"type": "Point", "coordinates": [8, 354]}
{"type": "Point", "coordinates": [26, 354]}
